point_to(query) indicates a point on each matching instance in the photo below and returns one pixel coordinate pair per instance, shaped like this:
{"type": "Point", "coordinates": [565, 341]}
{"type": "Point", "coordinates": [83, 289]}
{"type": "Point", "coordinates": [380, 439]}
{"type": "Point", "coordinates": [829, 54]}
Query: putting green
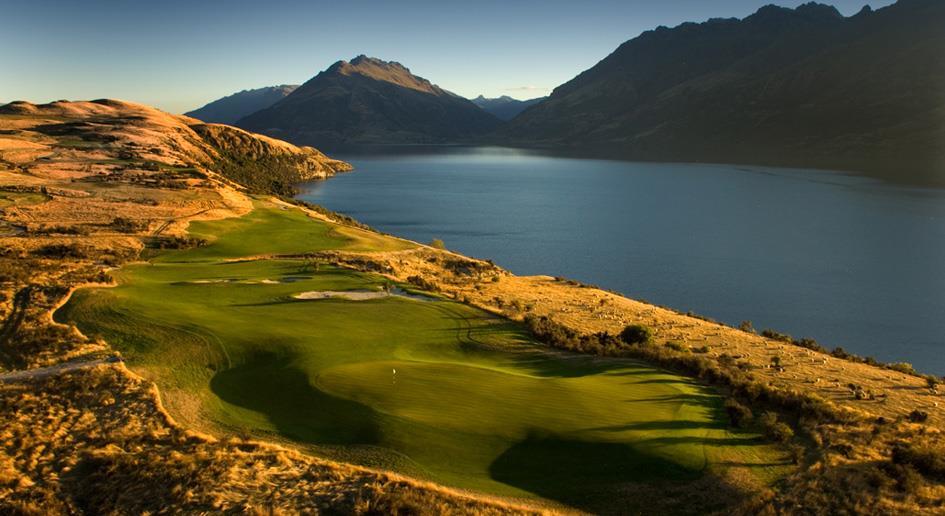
{"type": "Point", "coordinates": [431, 388]}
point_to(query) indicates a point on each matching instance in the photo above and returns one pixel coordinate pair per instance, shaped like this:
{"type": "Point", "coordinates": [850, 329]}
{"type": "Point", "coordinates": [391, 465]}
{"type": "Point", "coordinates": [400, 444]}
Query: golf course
{"type": "Point", "coordinates": [239, 342]}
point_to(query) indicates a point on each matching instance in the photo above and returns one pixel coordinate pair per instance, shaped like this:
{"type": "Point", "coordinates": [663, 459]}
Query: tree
{"type": "Point", "coordinates": [635, 334]}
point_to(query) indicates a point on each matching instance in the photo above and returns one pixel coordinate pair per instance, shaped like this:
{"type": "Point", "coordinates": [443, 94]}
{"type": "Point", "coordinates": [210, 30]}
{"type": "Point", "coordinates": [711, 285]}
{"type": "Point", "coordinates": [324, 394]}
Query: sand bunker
{"type": "Point", "coordinates": [360, 295]}
{"type": "Point", "coordinates": [350, 295]}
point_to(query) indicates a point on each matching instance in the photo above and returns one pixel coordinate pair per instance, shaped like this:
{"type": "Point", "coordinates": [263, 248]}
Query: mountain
{"type": "Point", "coordinates": [233, 107]}
{"type": "Point", "coordinates": [370, 101]}
{"type": "Point", "coordinates": [792, 87]}
{"type": "Point", "coordinates": [505, 107]}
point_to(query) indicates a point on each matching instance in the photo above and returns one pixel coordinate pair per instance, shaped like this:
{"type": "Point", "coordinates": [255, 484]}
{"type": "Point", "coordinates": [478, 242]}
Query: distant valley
{"type": "Point", "coordinates": [505, 107]}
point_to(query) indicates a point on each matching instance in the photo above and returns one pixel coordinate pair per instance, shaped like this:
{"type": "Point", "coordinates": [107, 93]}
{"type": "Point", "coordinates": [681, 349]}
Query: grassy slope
{"type": "Point", "coordinates": [474, 403]}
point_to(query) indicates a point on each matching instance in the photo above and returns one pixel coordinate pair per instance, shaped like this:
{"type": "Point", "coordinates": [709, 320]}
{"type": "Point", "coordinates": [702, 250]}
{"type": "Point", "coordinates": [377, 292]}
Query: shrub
{"type": "Point", "coordinates": [925, 460]}
{"type": "Point", "coordinates": [436, 243]}
{"type": "Point", "coordinates": [918, 416]}
{"type": "Point", "coordinates": [126, 225]}
{"type": "Point", "coordinates": [738, 414]}
{"type": "Point", "coordinates": [635, 334]}
{"type": "Point", "coordinates": [775, 335]}
{"type": "Point", "coordinates": [839, 352]}
{"type": "Point", "coordinates": [62, 251]}
{"type": "Point", "coordinates": [175, 242]}
{"type": "Point", "coordinates": [810, 344]}
{"type": "Point", "coordinates": [61, 230]}
{"type": "Point", "coordinates": [675, 346]}
{"type": "Point", "coordinates": [747, 326]}
{"type": "Point", "coordinates": [423, 283]}
{"type": "Point", "coordinates": [774, 429]}
{"type": "Point", "coordinates": [931, 382]}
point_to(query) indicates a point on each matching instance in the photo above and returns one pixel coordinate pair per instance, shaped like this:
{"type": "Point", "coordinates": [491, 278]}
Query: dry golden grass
{"type": "Point", "coordinates": [97, 440]}
{"type": "Point", "coordinates": [848, 466]}
{"type": "Point", "coordinates": [591, 310]}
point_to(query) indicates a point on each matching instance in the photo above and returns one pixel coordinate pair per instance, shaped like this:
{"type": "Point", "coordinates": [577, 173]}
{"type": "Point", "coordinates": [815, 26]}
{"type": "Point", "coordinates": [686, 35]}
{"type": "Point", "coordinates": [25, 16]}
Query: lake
{"type": "Point", "coordinates": [846, 260]}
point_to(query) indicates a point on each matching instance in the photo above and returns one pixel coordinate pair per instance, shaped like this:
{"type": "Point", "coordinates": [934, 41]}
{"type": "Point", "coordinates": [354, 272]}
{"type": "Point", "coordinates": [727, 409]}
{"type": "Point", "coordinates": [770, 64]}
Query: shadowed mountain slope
{"type": "Point", "coordinates": [370, 101]}
{"type": "Point", "coordinates": [792, 87]}
{"type": "Point", "coordinates": [231, 108]}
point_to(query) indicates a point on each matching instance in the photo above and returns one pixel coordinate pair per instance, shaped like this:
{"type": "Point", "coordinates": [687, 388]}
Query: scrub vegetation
{"type": "Point", "coordinates": [431, 388]}
{"type": "Point", "coordinates": [556, 394]}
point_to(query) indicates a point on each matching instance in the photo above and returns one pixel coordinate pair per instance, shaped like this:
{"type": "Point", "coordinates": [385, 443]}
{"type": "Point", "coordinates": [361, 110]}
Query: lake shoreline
{"type": "Point", "coordinates": [458, 218]}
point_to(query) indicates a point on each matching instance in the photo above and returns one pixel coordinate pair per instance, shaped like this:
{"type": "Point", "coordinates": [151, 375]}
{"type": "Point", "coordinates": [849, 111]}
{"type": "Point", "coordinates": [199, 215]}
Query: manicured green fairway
{"type": "Point", "coordinates": [473, 403]}
{"type": "Point", "coordinates": [269, 230]}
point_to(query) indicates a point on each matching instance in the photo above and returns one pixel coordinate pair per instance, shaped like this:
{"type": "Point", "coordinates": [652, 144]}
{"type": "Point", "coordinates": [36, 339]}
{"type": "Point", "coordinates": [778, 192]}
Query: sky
{"type": "Point", "coordinates": [179, 55]}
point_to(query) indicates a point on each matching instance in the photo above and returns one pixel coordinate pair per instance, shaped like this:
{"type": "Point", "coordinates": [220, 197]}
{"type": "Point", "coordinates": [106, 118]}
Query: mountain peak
{"type": "Point", "coordinates": [811, 11]}
{"type": "Point", "coordinates": [386, 71]}
{"type": "Point", "coordinates": [369, 100]}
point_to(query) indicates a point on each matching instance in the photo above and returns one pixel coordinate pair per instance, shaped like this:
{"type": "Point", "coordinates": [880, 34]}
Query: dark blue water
{"type": "Point", "coordinates": [846, 260]}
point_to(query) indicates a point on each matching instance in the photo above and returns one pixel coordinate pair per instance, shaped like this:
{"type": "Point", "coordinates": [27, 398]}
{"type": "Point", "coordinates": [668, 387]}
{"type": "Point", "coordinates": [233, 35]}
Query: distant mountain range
{"type": "Point", "coordinates": [230, 109]}
{"type": "Point", "coordinates": [505, 107]}
{"type": "Point", "coordinates": [369, 100]}
{"type": "Point", "coordinates": [791, 87]}
{"type": "Point", "coordinates": [803, 87]}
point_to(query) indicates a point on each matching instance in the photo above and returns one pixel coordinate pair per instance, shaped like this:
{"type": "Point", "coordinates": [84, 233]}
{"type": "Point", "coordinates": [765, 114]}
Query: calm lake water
{"type": "Point", "coordinates": [846, 260]}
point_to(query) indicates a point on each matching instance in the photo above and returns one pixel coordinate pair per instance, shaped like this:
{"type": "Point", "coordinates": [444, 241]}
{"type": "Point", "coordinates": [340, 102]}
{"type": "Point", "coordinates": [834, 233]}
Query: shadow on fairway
{"type": "Point", "coordinates": [269, 384]}
{"type": "Point", "coordinates": [582, 474]}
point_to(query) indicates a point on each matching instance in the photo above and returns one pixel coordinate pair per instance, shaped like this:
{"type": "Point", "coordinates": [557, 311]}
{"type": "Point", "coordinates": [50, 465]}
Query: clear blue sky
{"type": "Point", "coordinates": [178, 55]}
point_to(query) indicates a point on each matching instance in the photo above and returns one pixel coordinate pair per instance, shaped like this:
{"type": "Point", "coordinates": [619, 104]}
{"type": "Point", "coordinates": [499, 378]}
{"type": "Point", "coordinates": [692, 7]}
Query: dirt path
{"type": "Point", "coordinates": [43, 372]}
